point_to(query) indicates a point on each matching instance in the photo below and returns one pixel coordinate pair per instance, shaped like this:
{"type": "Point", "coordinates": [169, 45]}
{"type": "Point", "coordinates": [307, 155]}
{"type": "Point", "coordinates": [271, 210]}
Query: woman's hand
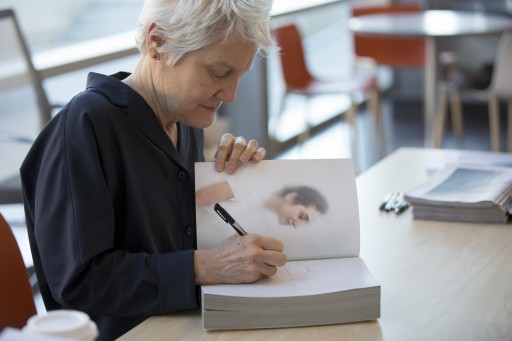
{"type": "Point", "coordinates": [232, 152]}
{"type": "Point", "coordinates": [239, 259]}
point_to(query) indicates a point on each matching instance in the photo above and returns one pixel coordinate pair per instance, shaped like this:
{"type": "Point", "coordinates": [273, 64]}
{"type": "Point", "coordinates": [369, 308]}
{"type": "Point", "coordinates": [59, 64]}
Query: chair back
{"type": "Point", "coordinates": [396, 52]}
{"type": "Point", "coordinates": [16, 297]}
{"type": "Point", "coordinates": [22, 96]}
{"type": "Point", "coordinates": [24, 107]}
{"type": "Point", "coordinates": [293, 63]}
{"type": "Point", "coordinates": [501, 82]}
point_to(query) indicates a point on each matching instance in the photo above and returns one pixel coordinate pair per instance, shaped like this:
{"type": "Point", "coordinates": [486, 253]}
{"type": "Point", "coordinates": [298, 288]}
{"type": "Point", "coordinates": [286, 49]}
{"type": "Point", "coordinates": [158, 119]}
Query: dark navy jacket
{"type": "Point", "coordinates": [110, 209]}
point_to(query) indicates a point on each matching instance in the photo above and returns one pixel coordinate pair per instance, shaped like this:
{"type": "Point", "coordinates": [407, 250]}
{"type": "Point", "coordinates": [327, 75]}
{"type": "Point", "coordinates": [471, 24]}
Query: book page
{"type": "Point", "coordinates": [301, 278]}
{"type": "Point", "coordinates": [472, 159]}
{"type": "Point", "coordinates": [464, 184]}
{"type": "Point", "coordinates": [260, 206]}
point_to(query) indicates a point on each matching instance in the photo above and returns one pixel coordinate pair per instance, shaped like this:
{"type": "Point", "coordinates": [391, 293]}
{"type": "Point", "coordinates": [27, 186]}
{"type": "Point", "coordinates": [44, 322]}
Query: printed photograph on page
{"type": "Point", "coordinates": [310, 205]}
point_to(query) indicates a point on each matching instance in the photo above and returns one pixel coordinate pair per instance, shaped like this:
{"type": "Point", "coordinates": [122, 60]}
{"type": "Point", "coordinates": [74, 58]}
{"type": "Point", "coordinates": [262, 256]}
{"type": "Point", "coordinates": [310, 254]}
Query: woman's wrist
{"type": "Point", "coordinates": [202, 267]}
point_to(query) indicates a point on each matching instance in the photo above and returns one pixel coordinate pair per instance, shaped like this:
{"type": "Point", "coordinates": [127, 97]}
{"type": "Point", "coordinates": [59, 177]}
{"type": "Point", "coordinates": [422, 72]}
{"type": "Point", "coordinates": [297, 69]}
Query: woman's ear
{"type": "Point", "coordinates": [153, 41]}
{"type": "Point", "coordinates": [290, 197]}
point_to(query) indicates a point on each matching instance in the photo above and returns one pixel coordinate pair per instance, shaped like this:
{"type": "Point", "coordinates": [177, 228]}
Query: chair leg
{"type": "Point", "coordinates": [351, 113]}
{"type": "Point", "coordinates": [509, 128]}
{"type": "Point", "coordinates": [351, 120]}
{"type": "Point", "coordinates": [374, 106]}
{"type": "Point", "coordinates": [494, 122]}
{"type": "Point", "coordinates": [301, 139]}
{"type": "Point", "coordinates": [440, 118]}
{"type": "Point", "coordinates": [378, 121]}
{"type": "Point", "coordinates": [274, 124]}
{"type": "Point", "coordinates": [456, 115]}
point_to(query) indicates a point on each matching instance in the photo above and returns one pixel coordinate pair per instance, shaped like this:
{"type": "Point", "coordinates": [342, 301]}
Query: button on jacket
{"type": "Point", "coordinates": [110, 208]}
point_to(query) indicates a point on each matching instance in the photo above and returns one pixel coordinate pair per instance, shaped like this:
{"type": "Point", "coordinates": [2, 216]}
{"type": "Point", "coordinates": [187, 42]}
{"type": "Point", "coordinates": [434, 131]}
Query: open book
{"type": "Point", "coordinates": [469, 193]}
{"type": "Point", "coordinates": [311, 206]}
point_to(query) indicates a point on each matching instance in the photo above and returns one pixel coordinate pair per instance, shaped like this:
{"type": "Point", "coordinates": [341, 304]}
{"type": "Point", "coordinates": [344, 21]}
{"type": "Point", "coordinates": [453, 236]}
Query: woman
{"type": "Point", "coordinates": [109, 183]}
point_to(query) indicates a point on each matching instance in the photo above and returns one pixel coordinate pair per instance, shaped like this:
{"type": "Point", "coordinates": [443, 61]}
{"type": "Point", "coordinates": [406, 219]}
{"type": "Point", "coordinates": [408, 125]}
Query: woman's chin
{"type": "Point", "coordinates": [202, 122]}
{"type": "Point", "coordinates": [208, 123]}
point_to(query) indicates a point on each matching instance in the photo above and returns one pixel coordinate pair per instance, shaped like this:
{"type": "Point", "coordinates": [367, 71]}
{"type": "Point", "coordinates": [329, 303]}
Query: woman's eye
{"type": "Point", "coordinates": [304, 217]}
{"type": "Point", "coordinates": [219, 74]}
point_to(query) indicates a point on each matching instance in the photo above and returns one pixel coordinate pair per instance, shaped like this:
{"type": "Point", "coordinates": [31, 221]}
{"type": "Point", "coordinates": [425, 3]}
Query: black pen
{"type": "Point", "coordinates": [229, 219]}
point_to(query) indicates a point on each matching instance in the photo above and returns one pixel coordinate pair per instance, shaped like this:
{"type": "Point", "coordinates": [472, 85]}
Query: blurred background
{"type": "Point", "coordinates": [67, 39]}
{"type": "Point", "coordinates": [49, 26]}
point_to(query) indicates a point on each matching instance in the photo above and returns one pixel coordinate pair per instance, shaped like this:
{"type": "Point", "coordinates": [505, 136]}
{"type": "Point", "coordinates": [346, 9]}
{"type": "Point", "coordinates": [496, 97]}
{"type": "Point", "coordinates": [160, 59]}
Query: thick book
{"type": "Point", "coordinates": [311, 206]}
{"type": "Point", "coordinates": [466, 193]}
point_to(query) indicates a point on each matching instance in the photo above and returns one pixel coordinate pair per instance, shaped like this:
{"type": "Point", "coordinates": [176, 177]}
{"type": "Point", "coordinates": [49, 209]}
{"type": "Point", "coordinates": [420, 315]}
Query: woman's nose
{"type": "Point", "coordinates": [228, 92]}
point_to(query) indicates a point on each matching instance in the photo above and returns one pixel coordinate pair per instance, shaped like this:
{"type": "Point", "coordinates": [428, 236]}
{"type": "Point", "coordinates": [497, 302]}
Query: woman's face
{"type": "Point", "coordinates": [290, 213]}
{"type": "Point", "coordinates": [297, 215]}
{"type": "Point", "coordinates": [193, 89]}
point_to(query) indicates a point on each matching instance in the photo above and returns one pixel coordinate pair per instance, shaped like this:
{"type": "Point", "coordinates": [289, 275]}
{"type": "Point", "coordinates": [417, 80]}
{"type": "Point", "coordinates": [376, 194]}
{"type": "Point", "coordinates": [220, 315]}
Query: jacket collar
{"type": "Point", "coordinates": [136, 109]}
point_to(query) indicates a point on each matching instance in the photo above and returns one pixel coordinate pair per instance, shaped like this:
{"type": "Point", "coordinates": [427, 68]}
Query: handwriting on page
{"type": "Point", "coordinates": [306, 275]}
{"type": "Point", "coordinates": [300, 278]}
{"type": "Point", "coordinates": [314, 277]}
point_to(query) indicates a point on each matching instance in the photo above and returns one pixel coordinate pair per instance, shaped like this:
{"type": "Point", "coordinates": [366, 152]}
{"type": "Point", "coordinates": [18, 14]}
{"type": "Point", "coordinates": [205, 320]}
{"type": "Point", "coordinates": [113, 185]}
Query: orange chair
{"type": "Point", "coordinates": [392, 51]}
{"type": "Point", "coordinates": [397, 52]}
{"type": "Point", "coordinates": [16, 298]}
{"type": "Point", "coordinates": [299, 80]}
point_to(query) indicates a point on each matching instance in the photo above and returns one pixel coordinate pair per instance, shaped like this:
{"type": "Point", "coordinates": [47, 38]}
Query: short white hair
{"type": "Point", "coordinates": [189, 25]}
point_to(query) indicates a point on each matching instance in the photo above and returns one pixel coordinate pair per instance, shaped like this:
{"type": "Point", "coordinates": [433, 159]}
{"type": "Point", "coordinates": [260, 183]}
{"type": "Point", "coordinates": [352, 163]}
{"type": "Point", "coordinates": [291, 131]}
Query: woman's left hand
{"type": "Point", "coordinates": [233, 151]}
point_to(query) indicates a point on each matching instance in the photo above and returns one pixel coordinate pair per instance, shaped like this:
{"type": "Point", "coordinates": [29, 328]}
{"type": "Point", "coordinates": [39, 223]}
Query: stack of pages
{"type": "Point", "coordinates": [324, 281]}
{"type": "Point", "coordinates": [476, 194]}
{"type": "Point", "coordinates": [304, 293]}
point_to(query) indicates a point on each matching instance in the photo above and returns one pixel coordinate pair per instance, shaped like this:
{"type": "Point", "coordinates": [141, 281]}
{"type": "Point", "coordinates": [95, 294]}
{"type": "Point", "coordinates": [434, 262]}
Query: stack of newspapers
{"type": "Point", "coordinates": [476, 194]}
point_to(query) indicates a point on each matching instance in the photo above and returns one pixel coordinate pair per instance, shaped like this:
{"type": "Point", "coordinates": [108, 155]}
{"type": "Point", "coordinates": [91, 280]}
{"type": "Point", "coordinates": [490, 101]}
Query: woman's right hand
{"type": "Point", "coordinates": [233, 151]}
{"type": "Point", "coordinates": [239, 259]}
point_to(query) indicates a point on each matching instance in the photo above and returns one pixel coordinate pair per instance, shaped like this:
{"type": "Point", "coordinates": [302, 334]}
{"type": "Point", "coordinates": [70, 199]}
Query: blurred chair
{"type": "Point", "coordinates": [397, 52]}
{"type": "Point", "coordinates": [391, 51]}
{"type": "Point", "coordinates": [24, 106]}
{"type": "Point", "coordinates": [299, 80]}
{"type": "Point", "coordinates": [500, 88]}
{"type": "Point", "coordinates": [16, 297]}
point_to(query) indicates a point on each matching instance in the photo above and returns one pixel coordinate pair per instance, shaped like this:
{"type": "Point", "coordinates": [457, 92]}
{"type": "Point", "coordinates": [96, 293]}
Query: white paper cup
{"type": "Point", "coordinates": [69, 324]}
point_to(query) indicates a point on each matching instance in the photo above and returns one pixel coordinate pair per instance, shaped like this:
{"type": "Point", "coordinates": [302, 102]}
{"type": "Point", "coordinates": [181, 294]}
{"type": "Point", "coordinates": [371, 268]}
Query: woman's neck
{"type": "Point", "coordinates": [273, 203]}
{"type": "Point", "coordinates": [136, 82]}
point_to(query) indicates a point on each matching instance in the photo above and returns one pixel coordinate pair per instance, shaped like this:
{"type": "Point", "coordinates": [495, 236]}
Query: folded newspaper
{"type": "Point", "coordinates": [465, 193]}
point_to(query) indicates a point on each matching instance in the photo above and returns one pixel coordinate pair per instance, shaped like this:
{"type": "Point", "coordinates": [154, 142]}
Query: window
{"type": "Point", "coordinates": [48, 24]}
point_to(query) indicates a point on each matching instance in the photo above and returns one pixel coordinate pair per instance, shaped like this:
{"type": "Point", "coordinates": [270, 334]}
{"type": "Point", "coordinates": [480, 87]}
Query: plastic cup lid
{"type": "Point", "coordinates": [64, 323]}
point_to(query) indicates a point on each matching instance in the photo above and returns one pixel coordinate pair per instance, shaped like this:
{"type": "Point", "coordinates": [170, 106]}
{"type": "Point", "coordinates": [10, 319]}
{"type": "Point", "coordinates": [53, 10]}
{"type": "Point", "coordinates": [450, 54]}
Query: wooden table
{"type": "Point", "coordinates": [433, 25]}
{"type": "Point", "coordinates": [439, 280]}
